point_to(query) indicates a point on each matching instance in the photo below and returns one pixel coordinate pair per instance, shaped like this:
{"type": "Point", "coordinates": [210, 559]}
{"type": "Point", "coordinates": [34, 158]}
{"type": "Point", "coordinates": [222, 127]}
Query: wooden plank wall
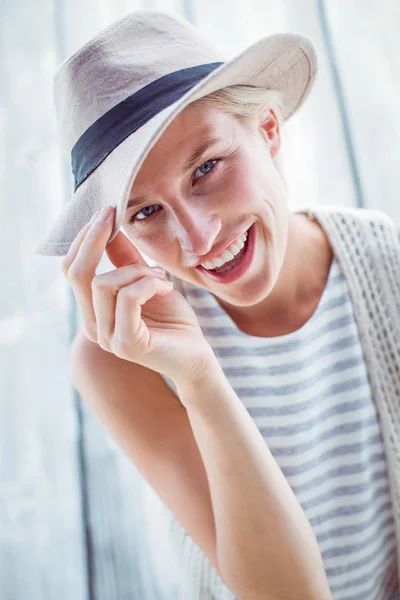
{"type": "Point", "coordinates": [365, 41]}
{"type": "Point", "coordinates": [71, 508]}
{"type": "Point", "coordinates": [42, 550]}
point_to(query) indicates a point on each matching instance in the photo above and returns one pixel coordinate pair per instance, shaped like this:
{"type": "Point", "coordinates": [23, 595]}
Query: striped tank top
{"type": "Point", "coordinates": [309, 396]}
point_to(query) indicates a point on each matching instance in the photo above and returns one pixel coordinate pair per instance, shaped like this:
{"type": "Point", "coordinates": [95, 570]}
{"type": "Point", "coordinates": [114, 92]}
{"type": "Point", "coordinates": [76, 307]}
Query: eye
{"type": "Point", "coordinates": [208, 165]}
{"type": "Point", "coordinates": [147, 212]}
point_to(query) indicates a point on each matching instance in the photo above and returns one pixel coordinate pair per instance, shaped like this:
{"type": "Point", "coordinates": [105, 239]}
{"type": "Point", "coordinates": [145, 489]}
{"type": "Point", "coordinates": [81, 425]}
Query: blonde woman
{"type": "Point", "coordinates": [253, 377]}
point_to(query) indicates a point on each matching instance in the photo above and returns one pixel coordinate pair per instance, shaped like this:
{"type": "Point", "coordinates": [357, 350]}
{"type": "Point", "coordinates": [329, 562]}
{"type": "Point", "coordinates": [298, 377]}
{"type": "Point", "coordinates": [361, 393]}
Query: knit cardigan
{"type": "Point", "coordinates": [366, 244]}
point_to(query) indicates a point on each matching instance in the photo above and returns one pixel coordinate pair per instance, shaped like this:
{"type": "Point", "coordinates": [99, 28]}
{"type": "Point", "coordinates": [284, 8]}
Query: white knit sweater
{"type": "Point", "coordinates": [366, 244]}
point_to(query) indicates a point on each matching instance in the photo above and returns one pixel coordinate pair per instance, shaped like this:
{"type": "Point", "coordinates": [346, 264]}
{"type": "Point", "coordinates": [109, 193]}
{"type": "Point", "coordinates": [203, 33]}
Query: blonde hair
{"type": "Point", "coordinates": [246, 103]}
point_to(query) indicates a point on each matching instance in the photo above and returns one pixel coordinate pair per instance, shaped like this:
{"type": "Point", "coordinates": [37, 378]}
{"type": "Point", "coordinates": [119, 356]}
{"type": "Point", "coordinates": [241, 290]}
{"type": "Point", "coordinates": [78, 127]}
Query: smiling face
{"type": "Point", "coordinates": [183, 213]}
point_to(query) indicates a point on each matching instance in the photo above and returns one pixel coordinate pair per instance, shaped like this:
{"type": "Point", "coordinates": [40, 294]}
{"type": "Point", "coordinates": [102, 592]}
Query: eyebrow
{"type": "Point", "coordinates": [195, 156]}
{"type": "Point", "coordinates": [198, 153]}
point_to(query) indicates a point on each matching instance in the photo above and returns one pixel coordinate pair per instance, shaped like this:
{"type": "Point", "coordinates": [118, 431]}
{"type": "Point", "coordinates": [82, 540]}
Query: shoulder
{"type": "Point", "coordinates": [352, 213]}
{"type": "Point", "coordinates": [372, 228]}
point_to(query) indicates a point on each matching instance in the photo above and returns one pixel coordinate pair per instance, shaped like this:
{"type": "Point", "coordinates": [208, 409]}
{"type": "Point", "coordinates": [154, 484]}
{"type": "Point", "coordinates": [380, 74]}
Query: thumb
{"type": "Point", "coordinates": [122, 252]}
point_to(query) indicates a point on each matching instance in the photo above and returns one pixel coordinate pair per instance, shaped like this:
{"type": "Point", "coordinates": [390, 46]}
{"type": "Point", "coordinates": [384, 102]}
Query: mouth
{"type": "Point", "coordinates": [235, 268]}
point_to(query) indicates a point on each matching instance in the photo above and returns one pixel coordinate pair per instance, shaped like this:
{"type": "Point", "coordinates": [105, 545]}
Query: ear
{"type": "Point", "coordinates": [271, 130]}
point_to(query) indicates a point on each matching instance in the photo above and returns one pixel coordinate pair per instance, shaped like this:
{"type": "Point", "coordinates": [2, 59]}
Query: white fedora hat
{"type": "Point", "coordinates": [117, 94]}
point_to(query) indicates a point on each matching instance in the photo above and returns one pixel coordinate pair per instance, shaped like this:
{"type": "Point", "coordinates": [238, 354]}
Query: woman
{"type": "Point", "coordinates": [273, 443]}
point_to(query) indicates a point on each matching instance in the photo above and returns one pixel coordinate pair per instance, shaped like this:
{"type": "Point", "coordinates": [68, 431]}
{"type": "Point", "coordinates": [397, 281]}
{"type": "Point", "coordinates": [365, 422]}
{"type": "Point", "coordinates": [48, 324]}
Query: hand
{"type": "Point", "coordinates": [132, 311]}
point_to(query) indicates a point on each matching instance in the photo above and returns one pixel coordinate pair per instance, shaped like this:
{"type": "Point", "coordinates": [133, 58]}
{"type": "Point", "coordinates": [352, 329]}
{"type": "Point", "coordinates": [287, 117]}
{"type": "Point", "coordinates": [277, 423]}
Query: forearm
{"type": "Point", "coordinates": [266, 547]}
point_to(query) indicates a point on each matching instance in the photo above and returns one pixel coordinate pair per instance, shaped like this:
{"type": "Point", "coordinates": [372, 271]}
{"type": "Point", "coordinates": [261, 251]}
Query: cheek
{"type": "Point", "coordinates": [263, 184]}
{"type": "Point", "coordinates": [156, 245]}
{"type": "Point", "coordinates": [238, 187]}
{"type": "Point", "coordinates": [251, 190]}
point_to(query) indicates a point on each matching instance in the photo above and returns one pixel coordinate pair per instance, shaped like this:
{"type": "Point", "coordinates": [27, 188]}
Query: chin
{"type": "Point", "coordinates": [250, 296]}
{"type": "Point", "coordinates": [251, 291]}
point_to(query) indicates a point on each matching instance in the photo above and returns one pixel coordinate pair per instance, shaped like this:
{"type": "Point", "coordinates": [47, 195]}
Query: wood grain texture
{"type": "Point", "coordinates": [42, 554]}
{"type": "Point", "coordinates": [366, 42]}
{"type": "Point", "coordinates": [316, 162]}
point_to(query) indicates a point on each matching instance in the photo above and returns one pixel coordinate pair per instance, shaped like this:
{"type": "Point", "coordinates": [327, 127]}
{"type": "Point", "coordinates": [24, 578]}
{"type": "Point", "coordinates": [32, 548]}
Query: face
{"type": "Point", "coordinates": [184, 214]}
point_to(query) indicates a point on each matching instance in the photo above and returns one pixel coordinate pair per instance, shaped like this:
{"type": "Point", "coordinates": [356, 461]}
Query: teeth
{"type": "Point", "coordinates": [218, 262]}
{"type": "Point", "coordinates": [227, 254]}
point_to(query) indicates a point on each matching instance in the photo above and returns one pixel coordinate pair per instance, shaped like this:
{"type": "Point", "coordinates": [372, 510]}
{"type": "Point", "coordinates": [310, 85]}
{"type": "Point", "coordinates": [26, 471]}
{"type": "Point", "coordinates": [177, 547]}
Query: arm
{"type": "Point", "coordinates": [158, 434]}
{"type": "Point", "coordinates": [265, 546]}
{"type": "Point", "coordinates": [144, 416]}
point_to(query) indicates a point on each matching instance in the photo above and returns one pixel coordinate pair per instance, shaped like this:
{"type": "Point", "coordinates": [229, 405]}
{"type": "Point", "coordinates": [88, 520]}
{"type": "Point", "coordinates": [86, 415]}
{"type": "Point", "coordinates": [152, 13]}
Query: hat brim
{"type": "Point", "coordinates": [286, 62]}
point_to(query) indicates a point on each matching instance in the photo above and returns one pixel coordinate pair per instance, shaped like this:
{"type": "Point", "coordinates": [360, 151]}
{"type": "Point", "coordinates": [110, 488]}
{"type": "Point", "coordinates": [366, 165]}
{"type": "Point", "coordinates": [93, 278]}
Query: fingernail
{"type": "Point", "coordinates": [105, 213]}
{"type": "Point", "coordinates": [159, 270]}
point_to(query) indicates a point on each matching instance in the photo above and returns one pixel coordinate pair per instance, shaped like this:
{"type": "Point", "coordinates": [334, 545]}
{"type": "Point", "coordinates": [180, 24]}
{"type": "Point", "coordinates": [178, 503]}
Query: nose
{"type": "Point", "coordinates": [196, 230]}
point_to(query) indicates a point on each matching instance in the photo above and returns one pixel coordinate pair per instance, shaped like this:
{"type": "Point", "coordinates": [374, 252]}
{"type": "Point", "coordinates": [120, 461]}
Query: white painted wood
{"type": "Point", "coordinates": [42, 554]}
{"type": "Point", "coordinates": [366, 41]}
{"type": "Point", "coordinates": [315, 158]}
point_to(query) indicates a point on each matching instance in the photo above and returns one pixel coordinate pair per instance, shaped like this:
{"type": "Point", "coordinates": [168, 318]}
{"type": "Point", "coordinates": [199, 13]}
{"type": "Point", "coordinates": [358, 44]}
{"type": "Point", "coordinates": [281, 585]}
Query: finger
{"type": "Point", "coordinates": [93, 244]}
{"type": "Point", "coordinates": [72, 252]}
{"type": "Point", "coordinates": [121, 251]}
{"type": "Point", "coordinates": [83, 269]}
{"type": "Point", "coordinates": [105, 288]}
{"type": "Point", "coordinates": [129, 329]}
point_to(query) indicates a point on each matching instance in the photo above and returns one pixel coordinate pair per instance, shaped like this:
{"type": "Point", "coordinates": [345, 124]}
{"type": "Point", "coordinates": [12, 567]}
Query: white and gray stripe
{"type": "Point", "coordinates": [309, 395]}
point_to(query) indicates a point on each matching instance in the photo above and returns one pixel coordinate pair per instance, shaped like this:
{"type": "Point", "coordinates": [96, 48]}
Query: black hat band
{"type": "Point", "coordinates": [123, 119]}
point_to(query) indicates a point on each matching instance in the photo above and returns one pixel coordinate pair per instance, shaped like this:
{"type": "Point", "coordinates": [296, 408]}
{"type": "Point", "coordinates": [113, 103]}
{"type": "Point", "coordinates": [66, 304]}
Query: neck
{"type": "Point", "coordinates": [299, 286]}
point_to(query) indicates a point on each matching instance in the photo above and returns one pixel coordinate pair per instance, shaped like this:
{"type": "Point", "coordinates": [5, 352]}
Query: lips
{"type": "Point", "coordinates": [237, 270]}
